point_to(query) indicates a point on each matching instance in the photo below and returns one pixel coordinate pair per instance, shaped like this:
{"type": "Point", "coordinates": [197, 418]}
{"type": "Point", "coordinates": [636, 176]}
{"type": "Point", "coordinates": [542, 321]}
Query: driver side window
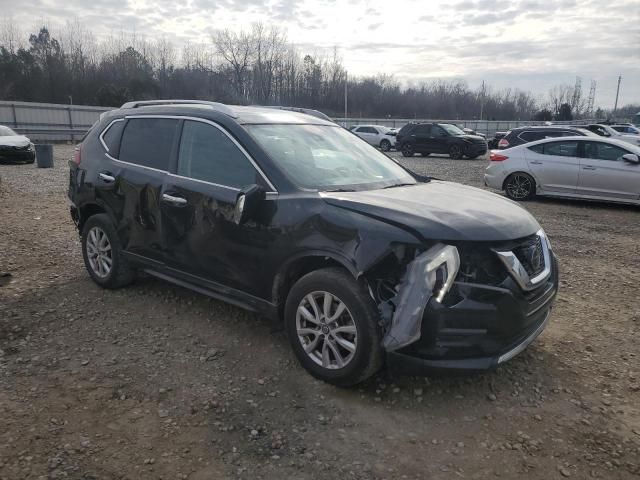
{"type": "Point", "coordinates": [603, 151]}
{"type": "Point", "coordinates": [437, 131]}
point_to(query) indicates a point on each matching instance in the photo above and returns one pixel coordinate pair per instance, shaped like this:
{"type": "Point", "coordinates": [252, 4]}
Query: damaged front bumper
{"type": "Point", "coordinates": [481, 328]}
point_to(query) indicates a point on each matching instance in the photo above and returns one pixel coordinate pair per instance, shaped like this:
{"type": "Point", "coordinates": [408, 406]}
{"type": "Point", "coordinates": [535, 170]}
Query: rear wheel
{"type": "Point", "coordinates": [332, 325]}
{"type": "Point", "coordinates": [103, 254]}
{"type": "Point", "coordinates": [520, 186]}
{"type": "Point", "coordinates": [385, 145]}
{"type": "Point", "coordinates": [407, 150]}
{"type": "Point", "coordinates": [455, 152]}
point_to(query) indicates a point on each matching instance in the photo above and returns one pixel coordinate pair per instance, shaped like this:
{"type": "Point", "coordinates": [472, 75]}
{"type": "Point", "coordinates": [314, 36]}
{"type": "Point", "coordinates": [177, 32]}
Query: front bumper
{"type": "Point", "coordinates": [17, 155]}
{"type": "Point", "coordinates": [475, 149]}
{"type": "Point", "coordinates": [478, 327]}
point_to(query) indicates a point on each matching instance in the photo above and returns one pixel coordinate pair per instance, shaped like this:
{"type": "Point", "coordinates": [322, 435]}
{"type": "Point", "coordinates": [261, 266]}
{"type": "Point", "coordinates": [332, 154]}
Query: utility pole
{"type": "Point", "coordinates": [615, 106]}
{"type": "Point", "coordinates": [346, 82]}
{"type": "Point", "coordinates": [482, 100]}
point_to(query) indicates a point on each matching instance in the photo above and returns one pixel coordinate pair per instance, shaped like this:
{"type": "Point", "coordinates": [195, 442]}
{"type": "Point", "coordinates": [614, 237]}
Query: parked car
{"type": "Point", "coordinates": [376, 135]}
{"type": "Point", "coordinates": [15, 148]}
{"type": "Point", "coordinates": [291, 216]}
{"type": "Point", "coordinates": [626, 128]}
{"type": "Point", "coordinates": [428, 138]}
{"type": "Point", "coordinates": [518, 136]}
{"type": "Point", "coordinates": [471, 131]}
{"type": "Point", "coordinates": [609, 132]}
{"type": "Point", "coordinates": [575, 167]}
{"type": "Point", "coordinates": [493, 142]}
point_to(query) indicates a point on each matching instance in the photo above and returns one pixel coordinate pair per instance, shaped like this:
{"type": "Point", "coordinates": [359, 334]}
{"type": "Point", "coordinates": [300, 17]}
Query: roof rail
{"type": "Point", "coordinates": [220, 107]}
{"type": "Point", "coordinates": [308, 111]}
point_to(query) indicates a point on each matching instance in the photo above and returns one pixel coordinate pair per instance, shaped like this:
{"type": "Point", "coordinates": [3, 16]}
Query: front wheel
{"type": "Point", "coordinates": [407, 150]}
{"type": "Point", "coordinates": [385, 145]}
{"type": "Point", "coordinates": [455, 152]}
{"type": "Point", "coordinates": [520, 186]}
{"type": "Point", "coordinates": [332, 325]}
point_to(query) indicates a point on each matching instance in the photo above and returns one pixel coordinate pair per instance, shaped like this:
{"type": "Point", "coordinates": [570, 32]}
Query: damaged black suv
{"type": "Point", "coordinates": [289, 215]}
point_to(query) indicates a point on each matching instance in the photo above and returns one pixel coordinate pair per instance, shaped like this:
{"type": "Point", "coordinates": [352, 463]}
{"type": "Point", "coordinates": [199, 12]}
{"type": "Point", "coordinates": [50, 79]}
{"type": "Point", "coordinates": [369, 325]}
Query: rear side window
{"type": "Point", "coordinates": [148, 142]}
{"type": "Point", "coordinates": [533, 135]}
{"type": "Point", "coordinates": [560, 149]}
{"type": "Point", "coordinates": [208, 154]}
{"type": "Point", "coordinates": [111, 137]}
{"type": "Point", "coordinates": [406, 129]}
{"type": "Point", "coordinates": [422, 129]}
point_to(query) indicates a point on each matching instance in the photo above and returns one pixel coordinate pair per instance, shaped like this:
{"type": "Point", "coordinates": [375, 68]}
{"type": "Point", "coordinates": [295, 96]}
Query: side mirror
{"type": "Point", "coordinates": [247, 203]}
{"type": "Point", "coordinates": [631, 158]}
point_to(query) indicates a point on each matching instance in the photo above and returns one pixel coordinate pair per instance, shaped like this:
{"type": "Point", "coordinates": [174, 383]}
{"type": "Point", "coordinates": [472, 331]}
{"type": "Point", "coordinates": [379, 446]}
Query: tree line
{"type": "Point", "coordinates": [256, 66]}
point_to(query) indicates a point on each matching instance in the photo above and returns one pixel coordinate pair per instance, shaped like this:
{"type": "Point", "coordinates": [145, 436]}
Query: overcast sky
{"type": "Point", "coordinates": [526, 44]}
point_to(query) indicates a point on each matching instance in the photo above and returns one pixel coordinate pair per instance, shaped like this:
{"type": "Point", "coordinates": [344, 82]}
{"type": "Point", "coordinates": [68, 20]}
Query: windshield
{"type": "Point", "coordinates": [451, 129]}
{"type": "Point", "coordinates": [6, 132]}
{"type": "Point", "coordinates": [327, 158]}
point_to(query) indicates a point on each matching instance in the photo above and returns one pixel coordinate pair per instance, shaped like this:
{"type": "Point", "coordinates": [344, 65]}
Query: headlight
{"type": "Point", "coordinates": [442, 268]}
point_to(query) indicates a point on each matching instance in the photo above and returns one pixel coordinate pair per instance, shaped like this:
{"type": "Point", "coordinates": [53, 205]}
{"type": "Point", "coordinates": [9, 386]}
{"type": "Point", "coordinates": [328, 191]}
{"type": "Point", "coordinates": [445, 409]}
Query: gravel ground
{"type": "Point", "coordinates": [154, 381]}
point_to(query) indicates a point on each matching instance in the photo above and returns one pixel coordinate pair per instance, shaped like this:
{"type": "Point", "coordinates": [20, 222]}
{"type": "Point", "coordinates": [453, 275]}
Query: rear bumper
{"type": "Point", "coordinates": [479, 327]}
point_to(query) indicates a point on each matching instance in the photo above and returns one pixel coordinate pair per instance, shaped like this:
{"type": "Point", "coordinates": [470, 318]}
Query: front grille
{"type": "Point", "coordinates": [531, 255]}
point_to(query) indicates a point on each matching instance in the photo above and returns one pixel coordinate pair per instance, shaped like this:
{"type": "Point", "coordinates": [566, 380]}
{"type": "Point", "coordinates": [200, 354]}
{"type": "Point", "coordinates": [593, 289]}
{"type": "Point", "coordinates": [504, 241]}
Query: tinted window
{"type": "Point", "coordinates": [563, 149]}
{"type": "Point", "coordinates": [406, 129]}
{"type": "Point", "coordinates": [111, 137]}
{"type": "Point", "coordinates": [532, 136]}
{"type": "Point", "coordinates": [367, 130]}
{"type": "Point", "coordinates": [603, 151]}
{"type": "Point", "coordinates": [571, 133]}
{"type": "Point", "coordinates": [207, 153]}
{"type": "Point", "coordinates": [537, 148]}
{"type": "Point", "coordinates": [148, 142]}
{"type": "Point", "coordinates": [422, 129]}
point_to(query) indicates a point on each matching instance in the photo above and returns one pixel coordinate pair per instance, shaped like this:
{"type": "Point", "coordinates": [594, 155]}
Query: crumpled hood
{"type": "Point", "coordinates": [15, 141]}
{"type": "Point", "coordinates": [442, 211]}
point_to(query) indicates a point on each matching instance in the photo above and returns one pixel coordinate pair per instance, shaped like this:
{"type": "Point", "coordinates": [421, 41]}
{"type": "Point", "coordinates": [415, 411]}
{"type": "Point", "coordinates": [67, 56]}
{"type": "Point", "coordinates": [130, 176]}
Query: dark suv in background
{"type": "Point", "coordinates": [294, 217]}
{"type": "Point", "coordinates": [427, 138]}
{"type": "Point", "coordinates": [520, 135]}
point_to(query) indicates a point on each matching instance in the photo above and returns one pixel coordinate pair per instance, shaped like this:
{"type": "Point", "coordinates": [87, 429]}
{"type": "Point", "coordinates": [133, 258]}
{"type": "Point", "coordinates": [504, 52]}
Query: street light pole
{"type": "Point", "coordinates": [346, 82]}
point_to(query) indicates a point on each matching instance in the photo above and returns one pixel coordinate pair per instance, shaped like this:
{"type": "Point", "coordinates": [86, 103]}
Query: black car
{"type": "Point", "coordinates": [493, 142]}
{"type": "Point", "coordinates": [15, 148]}
{"type": "Point", "coordinates": [520, 135]}
{"type": "Point", "coordinates": [295, 218]}
{"type": "Point", "coordinates": [428, 138]}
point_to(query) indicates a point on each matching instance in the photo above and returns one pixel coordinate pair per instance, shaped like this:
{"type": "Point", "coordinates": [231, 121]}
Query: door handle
{"type": "Point", "coordinates": [588, 167]}
{"type": "Point", "coordinates": [107, 177]}
{"type": "Point", "coordinates": [174, 200]}
{"type": "Point", "coordinates": [536, 163]}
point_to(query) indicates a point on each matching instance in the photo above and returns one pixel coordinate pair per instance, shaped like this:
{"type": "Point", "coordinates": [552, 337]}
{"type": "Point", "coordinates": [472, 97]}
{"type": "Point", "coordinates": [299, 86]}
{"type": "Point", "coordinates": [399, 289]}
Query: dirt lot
{"type": "Point", "coordinates": [154, 381]}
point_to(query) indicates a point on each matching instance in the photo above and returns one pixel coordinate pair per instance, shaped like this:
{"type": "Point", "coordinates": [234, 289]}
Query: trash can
{"type": "Point", "coordinates": [44, 156]}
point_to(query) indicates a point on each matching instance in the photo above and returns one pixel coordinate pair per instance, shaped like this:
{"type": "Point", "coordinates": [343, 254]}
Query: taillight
{"type": "Point", "coordinates": [503, 143]}
{"type": "Point", "coordinates": [496, 157]}
{"type": "Point", "coordinates": [77, 155]}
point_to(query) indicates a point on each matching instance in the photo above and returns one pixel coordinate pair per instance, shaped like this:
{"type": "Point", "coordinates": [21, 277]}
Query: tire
{"type": "Point", "coordinates": [407, 150]}
{"type": "Point", "coordinates": [520, 186]}
{"type": "Point", "coordinates": [358, 324]}
{"type": "Point", "coordinates": [425, 154]}
{"type": "Point", "coordinates": [385, 145]}
{"type": "Point", "coordinates": [455, 152]}
{"type": "Point", "coordinates": [97, 253]}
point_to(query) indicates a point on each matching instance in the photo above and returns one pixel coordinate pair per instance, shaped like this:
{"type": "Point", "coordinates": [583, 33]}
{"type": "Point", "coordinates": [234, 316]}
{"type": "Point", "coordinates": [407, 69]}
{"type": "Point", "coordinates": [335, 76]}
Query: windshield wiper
{"type": "Point", "coordinates": [399, 185]}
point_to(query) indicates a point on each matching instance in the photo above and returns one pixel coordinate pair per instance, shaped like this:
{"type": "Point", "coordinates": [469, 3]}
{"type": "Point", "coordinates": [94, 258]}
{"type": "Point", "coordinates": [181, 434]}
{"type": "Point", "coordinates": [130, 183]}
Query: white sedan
{"type": "Point", "coordinates": [376, 135]}
{"type": "Point", "coordinates": [576, 167]}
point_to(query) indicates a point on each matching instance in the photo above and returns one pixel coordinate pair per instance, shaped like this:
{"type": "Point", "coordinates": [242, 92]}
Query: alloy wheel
{"type": "Point", "coordinates": [519, 186]}
{"type": "Point", "coordinates": [326, 330]}
{"type": "Point", "coordinates": [99, 252]}
{"type": "Point", "coordinates": [455, 152]}
{"type": "Point", "coordinates": [385, 146]}
{"type": "Point", "coordinates": [407, 150]}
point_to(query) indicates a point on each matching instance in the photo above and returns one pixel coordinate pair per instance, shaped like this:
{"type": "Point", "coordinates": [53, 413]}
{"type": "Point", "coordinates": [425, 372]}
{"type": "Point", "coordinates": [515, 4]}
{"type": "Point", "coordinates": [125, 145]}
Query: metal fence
{"type": "Point", "coordinates": [49, 122]}
{"type": "Point", "coordinates": [53, 122]}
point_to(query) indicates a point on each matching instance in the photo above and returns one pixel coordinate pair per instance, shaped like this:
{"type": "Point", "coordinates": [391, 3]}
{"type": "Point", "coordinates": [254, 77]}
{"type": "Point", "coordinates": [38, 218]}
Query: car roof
{"type": "Point", "coordinates": [241, 114]}
{"type": "Point", "coordinates": [547, 127]}
{"type": "Point", "coordinates": [618, 143]}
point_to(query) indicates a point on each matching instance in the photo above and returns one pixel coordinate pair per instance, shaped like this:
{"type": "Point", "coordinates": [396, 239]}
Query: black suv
{"type": "Point", "coordinates": [295, 218]}
{"type": "Point", "coordinates": [427, 138]}
{"type": "Point", "coordinates": [520, 135]}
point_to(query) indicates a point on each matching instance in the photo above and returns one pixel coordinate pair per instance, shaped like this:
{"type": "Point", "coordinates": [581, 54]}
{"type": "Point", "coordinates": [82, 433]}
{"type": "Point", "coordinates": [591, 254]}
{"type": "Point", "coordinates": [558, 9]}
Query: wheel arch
{"type": "Point", "coordinates": [89, 209]}
{"type": "Point", "coordinates": [298, 266]}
